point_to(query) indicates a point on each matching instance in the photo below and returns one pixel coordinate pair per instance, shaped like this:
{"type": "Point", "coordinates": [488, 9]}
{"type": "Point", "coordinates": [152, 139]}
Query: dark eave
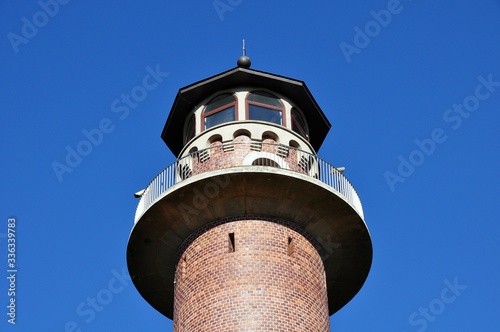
{"type": "Point", "coordinates": [192, 95]}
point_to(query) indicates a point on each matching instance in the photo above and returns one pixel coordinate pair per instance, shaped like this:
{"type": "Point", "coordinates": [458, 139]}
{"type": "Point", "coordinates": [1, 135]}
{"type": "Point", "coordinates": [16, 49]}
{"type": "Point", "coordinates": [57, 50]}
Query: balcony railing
{"type": "Point", "coordinates": [250, 153]}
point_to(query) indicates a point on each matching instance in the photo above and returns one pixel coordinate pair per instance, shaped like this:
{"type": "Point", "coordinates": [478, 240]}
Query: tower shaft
{"type": "Point", "coordinates": [246, 274]}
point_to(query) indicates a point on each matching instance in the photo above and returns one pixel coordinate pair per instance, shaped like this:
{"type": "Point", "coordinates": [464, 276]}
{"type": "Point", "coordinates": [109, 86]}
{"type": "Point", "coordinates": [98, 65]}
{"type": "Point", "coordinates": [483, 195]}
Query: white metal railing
{"type": "Point", "coordinates": [260, 154]}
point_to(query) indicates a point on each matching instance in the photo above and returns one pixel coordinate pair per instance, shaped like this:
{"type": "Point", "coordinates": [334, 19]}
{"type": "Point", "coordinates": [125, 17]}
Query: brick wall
{"type": "Point", "coordinates": [233, 154]}
{"type": "Point", "coordinates": [250, 275]}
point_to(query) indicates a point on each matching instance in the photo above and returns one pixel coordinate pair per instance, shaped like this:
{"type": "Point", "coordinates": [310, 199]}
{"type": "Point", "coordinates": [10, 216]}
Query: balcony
{"type": "Point", "coordinates": [248, 154]}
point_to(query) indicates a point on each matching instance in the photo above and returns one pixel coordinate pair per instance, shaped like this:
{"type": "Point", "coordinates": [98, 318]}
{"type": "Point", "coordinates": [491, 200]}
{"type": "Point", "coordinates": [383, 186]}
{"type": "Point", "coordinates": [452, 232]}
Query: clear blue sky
{"type": "Point", "coordinates": [414, 102]}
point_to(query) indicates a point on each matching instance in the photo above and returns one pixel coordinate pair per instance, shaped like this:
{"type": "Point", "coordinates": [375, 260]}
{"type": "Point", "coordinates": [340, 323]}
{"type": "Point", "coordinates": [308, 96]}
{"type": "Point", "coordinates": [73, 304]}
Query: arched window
{"type": "Point", "coordinates": [264, 106]}
{"type": "Point", "coordinates": [219, 110]}
{"type": "Point", "coordinates": [299, 125]}
{"type": "Point", "coordinates": [190, 129]}
{"type": "Point", "coordinates": [264, 159]}
{"type": "Point", "coordinates": [265, 162]}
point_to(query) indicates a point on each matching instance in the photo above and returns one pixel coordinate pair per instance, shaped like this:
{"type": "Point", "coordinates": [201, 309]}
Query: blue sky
{"type": "Point", "coordinates": [412, 89]}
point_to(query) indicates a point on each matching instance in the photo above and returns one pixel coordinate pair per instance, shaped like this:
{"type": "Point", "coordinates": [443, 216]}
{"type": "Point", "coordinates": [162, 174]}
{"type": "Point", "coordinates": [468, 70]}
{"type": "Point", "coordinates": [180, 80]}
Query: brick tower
{"type": "Point", "coordinates": [249, 230]}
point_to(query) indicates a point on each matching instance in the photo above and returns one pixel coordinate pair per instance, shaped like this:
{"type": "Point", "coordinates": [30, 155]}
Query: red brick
{"type": "Point", "coordinates": [264, 285]}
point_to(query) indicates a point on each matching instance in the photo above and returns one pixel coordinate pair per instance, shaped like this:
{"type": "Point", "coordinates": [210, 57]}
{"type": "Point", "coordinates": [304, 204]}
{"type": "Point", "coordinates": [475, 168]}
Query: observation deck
{"type": "Point", "coordinates": [256, 179]}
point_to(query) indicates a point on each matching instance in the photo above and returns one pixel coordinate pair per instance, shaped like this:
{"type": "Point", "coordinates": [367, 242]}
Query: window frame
{"type": "Point", "coordinates": [191, 117]}
{"type": "Point", "coordinates": [219, 109]}
{"type": "Point", "coordinates": [304, 131]}
{"type": "Point", "coordinates": [271, 107]}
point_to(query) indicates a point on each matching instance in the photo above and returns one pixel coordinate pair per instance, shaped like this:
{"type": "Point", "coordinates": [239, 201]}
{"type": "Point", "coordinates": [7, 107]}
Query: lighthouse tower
{"type": "Point", "coordinates": [248, 230]}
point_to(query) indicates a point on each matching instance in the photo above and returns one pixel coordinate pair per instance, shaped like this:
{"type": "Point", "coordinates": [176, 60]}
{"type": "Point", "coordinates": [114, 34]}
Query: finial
{"type": "Point", "coordinates": [244, 61]}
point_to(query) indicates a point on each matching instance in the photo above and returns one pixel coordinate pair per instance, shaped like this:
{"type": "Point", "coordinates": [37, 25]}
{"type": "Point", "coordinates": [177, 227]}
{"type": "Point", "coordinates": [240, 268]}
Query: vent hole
{"type": "Point", "coordinates": [290, 247]}
{"type": "Point", "coordinates": [183, 267]}
{"type": "Point", "coordinates": [231, 245]}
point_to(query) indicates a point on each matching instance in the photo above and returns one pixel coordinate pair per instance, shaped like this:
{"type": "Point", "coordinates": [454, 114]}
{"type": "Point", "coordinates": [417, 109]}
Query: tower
{"type": "Point", "coordinates": [248, 230]}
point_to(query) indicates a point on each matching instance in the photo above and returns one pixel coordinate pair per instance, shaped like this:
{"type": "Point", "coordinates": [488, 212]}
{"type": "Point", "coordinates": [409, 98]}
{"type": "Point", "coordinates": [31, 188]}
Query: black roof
{"type": "Point", "coordinates": [294, 90]}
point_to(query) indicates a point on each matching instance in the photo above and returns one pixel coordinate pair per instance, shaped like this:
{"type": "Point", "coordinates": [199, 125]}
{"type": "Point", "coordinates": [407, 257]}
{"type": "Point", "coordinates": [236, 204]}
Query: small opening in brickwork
{"type": "Point", "coordinates": [294, 144]}
{"type": "Point", "coordinates": [183, 267]}
{"type": "Point", "coordinates": [242, 132]}
{"type": "Point", "coordinates": [184, 171]}
{"type": "Point", "coordinates": [290, 247]}
{"type": "Point", "coordinates": [215, 139]}
{"type": "Point", "coordinates": [269, 135]}
{"type": "Point", "coordinates": [230, 241]}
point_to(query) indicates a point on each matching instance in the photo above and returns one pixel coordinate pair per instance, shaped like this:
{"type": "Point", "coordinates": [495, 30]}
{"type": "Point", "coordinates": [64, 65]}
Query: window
{"type": "Point", "coordinates": [264, 106]}
{"type": "Point", "coordinates": [265, 162]}
{"type": "Point", "coordinates": [219, 110]}
{"type": "Point", "coordinates": [190, 129]}
{"type": "Point", "coordinates": [299, 125]}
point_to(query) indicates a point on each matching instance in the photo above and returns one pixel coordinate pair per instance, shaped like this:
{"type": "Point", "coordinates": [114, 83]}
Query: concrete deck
{"type": "Point", "coordinates": [157, 238]}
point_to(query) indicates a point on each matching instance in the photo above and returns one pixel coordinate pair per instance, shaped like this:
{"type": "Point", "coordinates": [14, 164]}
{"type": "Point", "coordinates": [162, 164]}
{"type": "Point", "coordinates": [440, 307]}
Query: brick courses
{"type": "Point", "coordinates": [274, 280]}
{"type": "Point", "coordinates": [242, 146]}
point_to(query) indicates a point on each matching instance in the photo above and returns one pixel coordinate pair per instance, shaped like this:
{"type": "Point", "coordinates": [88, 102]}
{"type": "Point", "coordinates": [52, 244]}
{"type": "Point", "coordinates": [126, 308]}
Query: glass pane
{"type": "Point", "coordinates": [219, 101]}
{"type": "Point", "coordinates": [190, 129]}
{"type": "Point", "coordinates": [298, 123]}
{"type": "Point", "coordinates": [264, 114]}
{"type": "Point", "coordinates": [223, 116]}
{"type": "Point", "coordinates": [265, 98]}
